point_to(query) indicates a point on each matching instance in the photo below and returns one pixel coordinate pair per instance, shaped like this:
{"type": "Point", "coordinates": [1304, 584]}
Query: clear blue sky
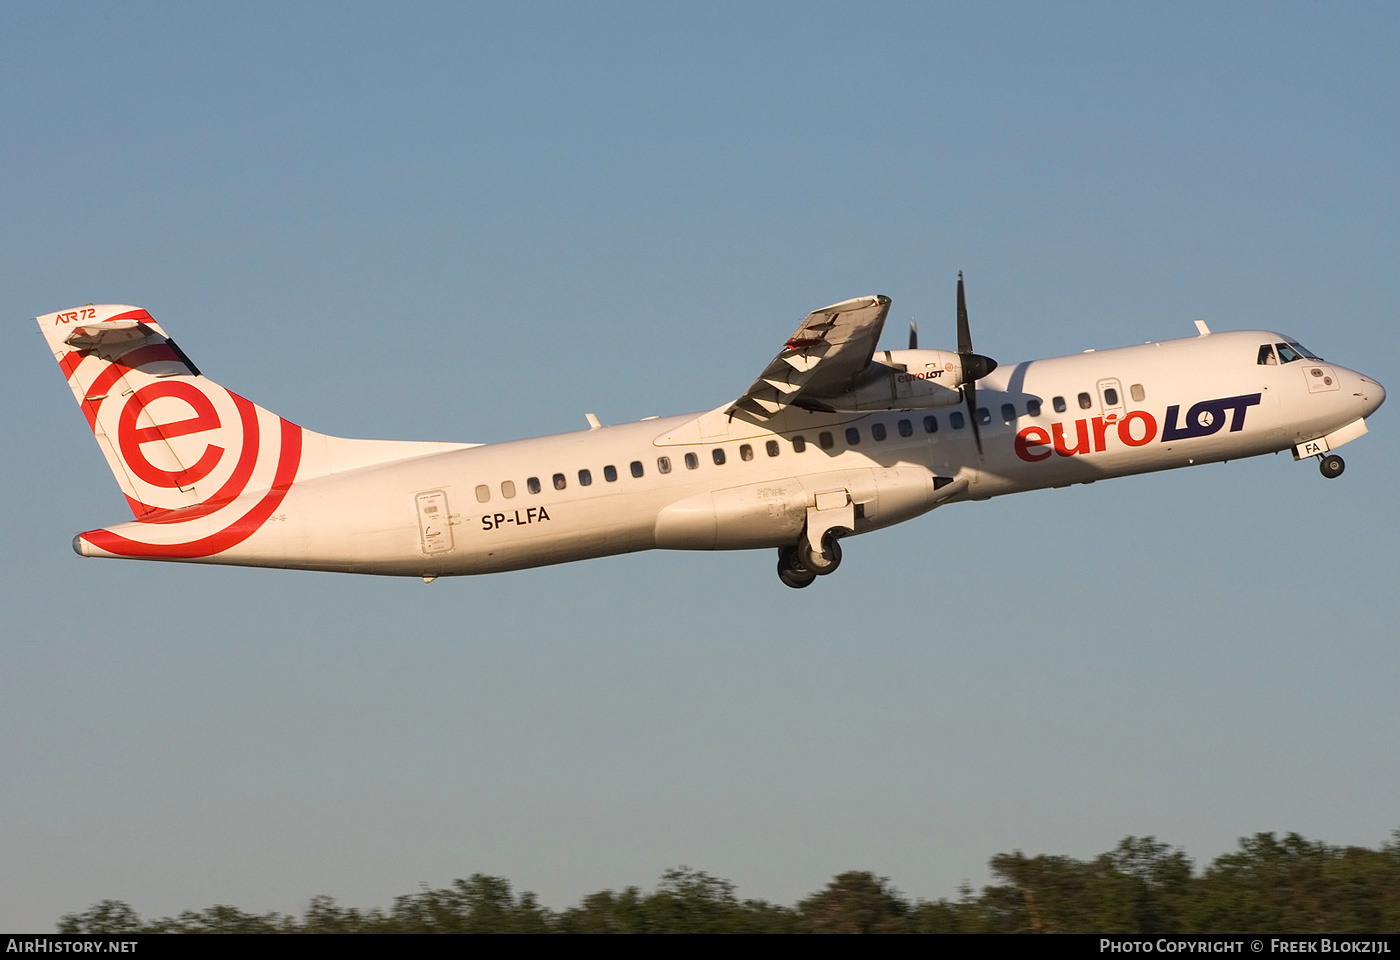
{"type": "Point", "coordinates": [482, 222]}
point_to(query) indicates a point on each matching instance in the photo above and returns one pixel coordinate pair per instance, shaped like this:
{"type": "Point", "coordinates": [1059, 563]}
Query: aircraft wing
{"type": "Point", "coordinates": [824, 356]}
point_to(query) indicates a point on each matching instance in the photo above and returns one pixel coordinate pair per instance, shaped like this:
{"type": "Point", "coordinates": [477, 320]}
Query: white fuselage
{"type": "Point", "coordinates": [524, 503]}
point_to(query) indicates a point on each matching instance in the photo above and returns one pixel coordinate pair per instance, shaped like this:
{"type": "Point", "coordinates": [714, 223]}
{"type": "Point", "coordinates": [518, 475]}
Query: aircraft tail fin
{"type": "Point", "coordinates": [176, 441]}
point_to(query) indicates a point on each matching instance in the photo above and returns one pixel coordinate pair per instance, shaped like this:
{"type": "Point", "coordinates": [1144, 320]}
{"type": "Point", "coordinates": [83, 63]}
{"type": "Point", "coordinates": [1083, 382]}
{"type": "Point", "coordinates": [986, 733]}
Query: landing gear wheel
{"type": "Point", "coordinates": [821, 563]}
{"type": "Point", "coordinates": [1332, 466]}
{"type": "Point", "coordinates": [791, 571]}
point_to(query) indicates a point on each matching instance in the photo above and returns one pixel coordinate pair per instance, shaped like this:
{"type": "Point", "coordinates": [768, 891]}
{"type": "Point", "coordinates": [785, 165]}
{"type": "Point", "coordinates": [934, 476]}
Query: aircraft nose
{"type": "Point", "coordinates": [1372, 394]}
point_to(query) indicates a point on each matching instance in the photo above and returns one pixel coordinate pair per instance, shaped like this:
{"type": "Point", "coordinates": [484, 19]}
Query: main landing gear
{"type": "Point", "coordinates": [799, 565]}
{"type": "Point", "coordinates": [817, 552]}
{"type": "Point", "coordinates": [1332, 466]}
{"type": "Point", "coordinates": [791, 571]}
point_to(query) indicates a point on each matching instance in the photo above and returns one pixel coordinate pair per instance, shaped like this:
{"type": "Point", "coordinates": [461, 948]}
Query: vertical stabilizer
{"type": "Point", "coordinates": [201, 467]}
{"type": "Point", "coordinates": [172, 438]}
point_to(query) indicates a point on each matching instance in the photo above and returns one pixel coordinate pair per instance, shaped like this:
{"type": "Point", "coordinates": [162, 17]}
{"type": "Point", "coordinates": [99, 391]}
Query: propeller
{"type": "Point", "coordinates": [974, 365]}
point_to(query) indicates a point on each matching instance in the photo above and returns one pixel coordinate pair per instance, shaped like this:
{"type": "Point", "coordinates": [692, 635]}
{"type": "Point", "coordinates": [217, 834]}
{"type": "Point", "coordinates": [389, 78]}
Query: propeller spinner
{"type": "Point", "coordinates": [974, 365]}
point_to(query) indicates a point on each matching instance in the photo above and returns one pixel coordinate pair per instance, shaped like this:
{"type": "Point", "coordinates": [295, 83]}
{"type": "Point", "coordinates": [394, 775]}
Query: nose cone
{"type": "Point", "coordinates": [1371, 394]}
{"type": "Point", "coordinates": [975, 367]}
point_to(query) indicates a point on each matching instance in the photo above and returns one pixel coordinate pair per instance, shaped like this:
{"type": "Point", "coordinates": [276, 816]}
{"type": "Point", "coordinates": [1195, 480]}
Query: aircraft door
{"type": "Point", "coordinates": [1111, 399]}
{"type": "Point", "coordinates": [434, 523]}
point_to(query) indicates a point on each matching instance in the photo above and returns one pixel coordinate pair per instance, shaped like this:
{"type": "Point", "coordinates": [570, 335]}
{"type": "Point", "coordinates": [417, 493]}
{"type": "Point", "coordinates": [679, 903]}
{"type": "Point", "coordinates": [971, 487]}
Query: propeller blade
{"type": "Point", "coordinates": [974, 365]}
{"type": "Point", "coordinates": [964, 333]}
{"type": "Point", "coordinates": [913, 335]}
{"type": "Point", "coordinates": [970, 394]}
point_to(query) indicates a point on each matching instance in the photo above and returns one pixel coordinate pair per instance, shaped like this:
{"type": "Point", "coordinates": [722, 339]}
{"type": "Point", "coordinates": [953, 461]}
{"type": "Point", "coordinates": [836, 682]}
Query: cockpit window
{"type": "Point", "coordinates": [1300, 348]}
{"type": "Point", "coordinates": [1287, 354]}
{"type": "Point", "coordinates": [1266, 355]}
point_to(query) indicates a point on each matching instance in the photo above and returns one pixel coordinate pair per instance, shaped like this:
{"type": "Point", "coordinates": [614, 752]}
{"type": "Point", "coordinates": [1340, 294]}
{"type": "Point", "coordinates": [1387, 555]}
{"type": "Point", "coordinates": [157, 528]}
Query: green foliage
{"type": "Point", "coordinates": [481, 904]}
{"type": "Point", "coordinates": [856, 902]}
{"type": "Point", "coordinates": [113, 916]}
{"type": "Point", "coordinates": [1137, 888]}
{"type": "Point", "coordinates": [686, 901]}
{"type": "Point", "coordinates": [1305, 886]}
{"type": "Point", "coordinates": [106, 916]}
{"type": "Point", "coordinates": [1142, 886]}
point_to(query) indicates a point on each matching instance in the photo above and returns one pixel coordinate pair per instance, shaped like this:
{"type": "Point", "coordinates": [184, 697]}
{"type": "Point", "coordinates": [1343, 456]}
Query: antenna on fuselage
{"type": "Point", "coordinates": [913, 334]}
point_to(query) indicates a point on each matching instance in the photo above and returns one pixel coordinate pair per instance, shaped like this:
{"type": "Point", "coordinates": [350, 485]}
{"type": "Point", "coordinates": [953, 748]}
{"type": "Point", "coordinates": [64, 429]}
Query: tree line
{"type": "Point", "coordinates": [1269, 885]}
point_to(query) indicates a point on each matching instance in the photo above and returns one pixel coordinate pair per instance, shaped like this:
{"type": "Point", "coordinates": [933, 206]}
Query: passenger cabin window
{"type": "Point", "coordinates": [877, 431]}
{"type": "Point", "coordinates": [533, 484]}
{"type": "Point", "coordinates": [906, 429]}
{"type": "Point", "coordinates": [507, 488]}
{"type": "Point", "coordinates": [825, 439]}
{"type": "Point", "coordinates": [718, 455]}
{"type": "Point", "coordinates": [1008, 412]}
{"type": "Point", "coordinates": [1266, 355]}
{"type": "Point", "coordinates": [663, 464]}
{"type": "Point", "coordinates": [1110, 397]}
{"type": "Point", "coordinates": [799, 443]}
{"type": "Point", "coordinates": [483, 493]}
{"type": "Point", "coordinates": [559, 482]}
{"type": "Point", "coordinates": [1137, 392]}
{"type": "Point", "coordinates": [610, 473]}
{"type": "Point", "coordinates": [1085, 401]}
{"type": "Point", "coordinates": [930, 424]}
{"type": "Point", "coordinates": [585, 477]}
{"type": "Point", "coordinates": [772, 447]}
{"type": "Point", "coordinates": [1032, 408]}
{"type": "Point", "coordinates": [852, 436]}
{"type": "Point", "coordinates": [691, 461]}
{"type": "Point", "coordinates": [1059, 404]}
{"type": "Point", "coordinates": [745, 452]}
{"type": "Point", "coordinates": [984, 416]}
{"type": "Point", "coordinates": [956, 420]}
{"type": "Point", "coordinates": [636, 468]}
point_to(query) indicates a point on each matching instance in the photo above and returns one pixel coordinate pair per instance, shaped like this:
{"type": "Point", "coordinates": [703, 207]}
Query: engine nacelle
{"type": "Point", "coordinates": [901, 380]}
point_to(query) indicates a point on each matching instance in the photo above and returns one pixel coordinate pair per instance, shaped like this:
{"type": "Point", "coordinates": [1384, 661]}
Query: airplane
{"type": "Point", "coordinates": [834, 438]}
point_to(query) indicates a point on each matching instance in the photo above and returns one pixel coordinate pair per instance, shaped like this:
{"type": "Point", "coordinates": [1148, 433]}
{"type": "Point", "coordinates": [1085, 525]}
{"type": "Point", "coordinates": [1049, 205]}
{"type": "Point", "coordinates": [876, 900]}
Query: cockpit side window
{"type": "Point", "coordinates": [1266, 355]}
{"type": "Point", "coordinates": [1287, 354]}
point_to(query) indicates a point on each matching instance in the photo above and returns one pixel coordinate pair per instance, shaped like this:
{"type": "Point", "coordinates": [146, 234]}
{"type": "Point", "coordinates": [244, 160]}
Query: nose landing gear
{"type": "Point", "coordinates": [1332, 466]}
